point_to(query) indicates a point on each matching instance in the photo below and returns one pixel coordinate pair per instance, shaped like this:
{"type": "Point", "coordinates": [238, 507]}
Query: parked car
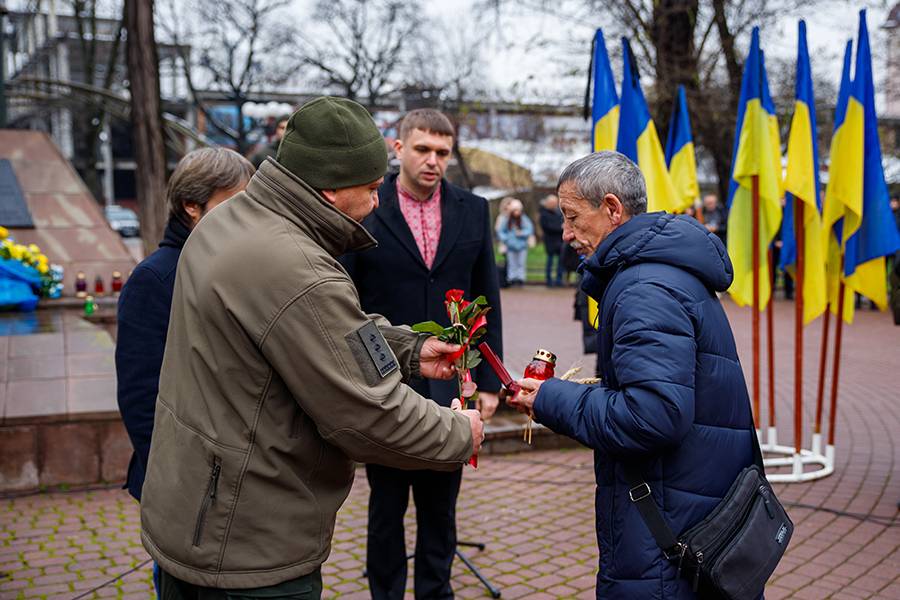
{"type": "Point", "coordinates": [123, 220]}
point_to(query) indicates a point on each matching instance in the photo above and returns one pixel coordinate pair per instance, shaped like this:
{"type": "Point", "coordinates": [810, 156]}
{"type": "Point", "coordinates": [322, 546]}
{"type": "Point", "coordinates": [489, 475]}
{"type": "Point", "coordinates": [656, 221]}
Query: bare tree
{"type": "Point", "coordinates": [684, 42]}
{"type": "Point", "coordinates": [241, 46]}
{"type": "Point", "coordinates": [452, 61]}
{"type": "Point", "coordinates": [97, 70]}
{"type": "Point", "coordinates": [362, 55]}
{"type": "Point", "coordinates": [149, 148]}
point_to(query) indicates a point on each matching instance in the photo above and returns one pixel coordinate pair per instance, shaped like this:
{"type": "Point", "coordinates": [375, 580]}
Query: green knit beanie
{"type": "Point", "coordinates": [333, 143]}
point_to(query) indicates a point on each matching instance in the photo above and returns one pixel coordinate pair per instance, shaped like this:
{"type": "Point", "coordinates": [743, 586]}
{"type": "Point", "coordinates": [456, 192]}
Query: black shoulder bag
{"type": "Point", "coordinates": [735, 549]}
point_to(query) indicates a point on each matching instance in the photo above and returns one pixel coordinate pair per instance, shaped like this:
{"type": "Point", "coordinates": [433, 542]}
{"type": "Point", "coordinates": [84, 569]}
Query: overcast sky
{"type": "Point", "coordinates": [540, 55]}
{"type": "Point", "coordinates": [520, 58]}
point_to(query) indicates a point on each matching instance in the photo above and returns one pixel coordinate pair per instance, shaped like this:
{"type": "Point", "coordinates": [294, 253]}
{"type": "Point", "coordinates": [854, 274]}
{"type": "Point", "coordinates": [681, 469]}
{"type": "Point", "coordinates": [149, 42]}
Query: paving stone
{"type": "Point", "coordinates": [533, 552]}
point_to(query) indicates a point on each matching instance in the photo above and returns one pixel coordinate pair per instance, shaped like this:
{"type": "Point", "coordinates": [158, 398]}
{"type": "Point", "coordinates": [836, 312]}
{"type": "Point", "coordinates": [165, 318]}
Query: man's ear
{"type": "Point", "coordinates": [330, 195]}
{"type": "Point", "coordinates": [398, 146]}
{"type": "Point", "coordinates": [614, 207]}
{"type": "Point", "coordinates": [194, 210]}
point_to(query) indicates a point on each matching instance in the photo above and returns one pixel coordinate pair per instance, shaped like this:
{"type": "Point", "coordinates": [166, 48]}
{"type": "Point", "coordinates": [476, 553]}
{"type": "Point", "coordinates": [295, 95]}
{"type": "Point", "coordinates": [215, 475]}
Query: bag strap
{"type": "Point", "coordinates": [642, 498]}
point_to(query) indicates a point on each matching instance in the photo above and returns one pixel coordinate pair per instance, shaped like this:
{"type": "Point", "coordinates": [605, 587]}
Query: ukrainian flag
{"type": "Point", "coordinates": [875, 236]}
{"type": "Point", "coordinates": [844, 183]}
{"type": "Point", "coordinates": [605, 107]}
{"type": "Point", "coordinates": [605, 116]}
{"type": "Point", "coordinates": [638, 139]}
{"type": "Point", "coordinates": [757, 152]}
{"type": "Point", "coordinates": [802, 184]}
{"type": "Point", "coordinates": [680, 158]}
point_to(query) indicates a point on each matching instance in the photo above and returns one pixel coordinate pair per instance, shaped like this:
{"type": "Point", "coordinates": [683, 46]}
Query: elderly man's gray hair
{"type": "Point", "coordinates": [607, 172]}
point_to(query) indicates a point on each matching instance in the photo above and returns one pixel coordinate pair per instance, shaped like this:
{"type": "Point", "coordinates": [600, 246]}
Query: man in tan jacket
{"type": "Point", "coordinates": [274, 381]}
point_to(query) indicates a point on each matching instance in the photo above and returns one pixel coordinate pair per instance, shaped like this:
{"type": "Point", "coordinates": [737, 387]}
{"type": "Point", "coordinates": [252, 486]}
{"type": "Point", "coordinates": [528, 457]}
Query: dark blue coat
{"type": "Point", "coordinates": [143, 320]}
{"type": "Point", "coordinates": [672, 398]}
{"type": "Point", "coordinates": [393, 281]}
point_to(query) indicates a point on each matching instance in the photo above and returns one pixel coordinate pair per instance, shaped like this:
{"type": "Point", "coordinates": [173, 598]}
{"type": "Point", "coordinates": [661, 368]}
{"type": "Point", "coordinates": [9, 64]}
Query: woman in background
{"type": "Point", "coordinates": [514, 233]}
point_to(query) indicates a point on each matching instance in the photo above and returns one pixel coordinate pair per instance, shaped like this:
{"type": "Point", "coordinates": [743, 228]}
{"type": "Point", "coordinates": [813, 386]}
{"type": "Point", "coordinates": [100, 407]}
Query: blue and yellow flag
{"type": "Point", "coordinates": [757, 152]}
{"type": "Point", "coordinates": [802, 184]}
{"type": "Point", "coordinates": [605, 105]}
{"type": "Point", "coordinates": [875, 236]}
{"type": "Point", "coordinates": [680, 158]}
{"type": "Point", "coordinates": [844, 182]}
{"type": "Point", "coordinates": [638, 139]}
{"type": "Point", "coordinates": [605, 116]}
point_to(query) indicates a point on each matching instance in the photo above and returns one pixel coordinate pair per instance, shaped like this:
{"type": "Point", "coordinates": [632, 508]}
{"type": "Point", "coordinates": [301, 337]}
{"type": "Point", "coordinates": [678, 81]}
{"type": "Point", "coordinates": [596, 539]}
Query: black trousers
{"type": "Point", "coordinates": [307, 587]}
{"type": "Point", "coordinates": [435, 496]}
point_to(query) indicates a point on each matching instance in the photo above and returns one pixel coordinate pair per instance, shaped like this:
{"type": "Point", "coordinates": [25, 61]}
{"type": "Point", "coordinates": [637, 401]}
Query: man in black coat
{"type": "Point", "coordinates": [432, 237]}
{"type": "Point", "coordinates": [203, 179]}
{"type": "Point", "coordinates": [552, 229]}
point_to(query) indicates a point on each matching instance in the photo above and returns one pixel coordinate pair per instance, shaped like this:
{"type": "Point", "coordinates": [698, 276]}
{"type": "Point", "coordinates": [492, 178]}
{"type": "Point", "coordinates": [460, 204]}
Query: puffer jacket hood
{"type": "Point", "coordinates": [676, 240]}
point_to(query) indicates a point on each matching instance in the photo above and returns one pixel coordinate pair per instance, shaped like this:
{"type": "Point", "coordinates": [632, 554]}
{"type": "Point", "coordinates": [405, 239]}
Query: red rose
{"type": "Point", "coordinates": [454, 295]}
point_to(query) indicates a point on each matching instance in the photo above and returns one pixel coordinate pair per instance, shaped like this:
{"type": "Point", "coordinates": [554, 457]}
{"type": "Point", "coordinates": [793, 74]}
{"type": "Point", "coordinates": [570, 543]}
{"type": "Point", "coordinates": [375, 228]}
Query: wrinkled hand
{"type": "Point", "coordinates": [487, 404]}
{"type": "Point", "coordinates": [524, 400]}
{"type": "Point", "coordinates": [474, 422]}
{"type": "Point", "coordinates": [433, 362]}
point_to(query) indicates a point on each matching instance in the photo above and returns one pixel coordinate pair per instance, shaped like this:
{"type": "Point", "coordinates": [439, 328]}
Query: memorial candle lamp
{"type": "Point", "coordinates": [541, 367]}
{"type": "Point", "coordinates": [468, 323]}
{"type": "Point", "coordinates": [116, 283]}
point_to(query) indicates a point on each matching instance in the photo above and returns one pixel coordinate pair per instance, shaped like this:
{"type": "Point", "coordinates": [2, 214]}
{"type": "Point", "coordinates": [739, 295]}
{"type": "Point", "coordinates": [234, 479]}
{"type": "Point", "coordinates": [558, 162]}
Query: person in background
{"type": "Point", "coordinates": [432, 237]}
{"type": "Point", "coordinates": [551, 226]}
{"type": "Point", "coordinates": [515, 231]}
{"type": "Point", "coordinates": [714, 217]}
{"type": "Point", "coordinates": [502, 267]}
{"type": "Point", "coordinates": [202, 180]}
{"type": "Point", "coordinates": [271, 149]}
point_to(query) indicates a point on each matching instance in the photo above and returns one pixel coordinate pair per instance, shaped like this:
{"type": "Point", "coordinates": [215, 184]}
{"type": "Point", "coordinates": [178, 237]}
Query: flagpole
{"type": "Point", "coordinates": [754, 247]}
{"type": "Point", "coordinates": [820, 394]}
{"type": "Point", "coordinates": [770, 350]}
{"type": "Point", "coordinates": [799, 267]}
{"type": "Point", "coordinates": [838, 335]}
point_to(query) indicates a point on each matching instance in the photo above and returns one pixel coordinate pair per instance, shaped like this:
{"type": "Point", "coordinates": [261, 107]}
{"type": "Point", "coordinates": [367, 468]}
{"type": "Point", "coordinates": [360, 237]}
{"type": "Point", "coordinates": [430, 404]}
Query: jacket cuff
{"type": "Point", "coordinates": [414, 360]}
{"type": "Point", "coordinates": [555, 400]}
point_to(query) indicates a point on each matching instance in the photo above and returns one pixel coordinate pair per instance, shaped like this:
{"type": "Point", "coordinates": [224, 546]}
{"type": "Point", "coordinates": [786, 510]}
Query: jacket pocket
{"type": "Point", "coordinates": [208, 499]}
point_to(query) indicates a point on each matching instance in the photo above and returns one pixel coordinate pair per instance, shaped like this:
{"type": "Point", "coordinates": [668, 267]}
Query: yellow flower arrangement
{"type": "Point", "coordinates": [31, 255]}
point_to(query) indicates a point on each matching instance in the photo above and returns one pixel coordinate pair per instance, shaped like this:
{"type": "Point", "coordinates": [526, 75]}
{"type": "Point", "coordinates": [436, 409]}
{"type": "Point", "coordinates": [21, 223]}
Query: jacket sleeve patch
{"type": "Point", "coordinates": [372, 351]}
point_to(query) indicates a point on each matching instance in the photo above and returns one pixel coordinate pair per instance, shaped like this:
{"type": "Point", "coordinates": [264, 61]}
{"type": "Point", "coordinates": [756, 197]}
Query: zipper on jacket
{"type": "Point", "coordinates": [208, 498]}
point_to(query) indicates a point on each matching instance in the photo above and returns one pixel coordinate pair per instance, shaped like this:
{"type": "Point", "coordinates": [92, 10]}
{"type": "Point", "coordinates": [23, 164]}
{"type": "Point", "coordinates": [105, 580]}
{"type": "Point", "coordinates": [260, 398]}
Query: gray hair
{"type": "Point", "coordinates": [200, 174]}
{"type": "Point", "coordinates": [607, 172]}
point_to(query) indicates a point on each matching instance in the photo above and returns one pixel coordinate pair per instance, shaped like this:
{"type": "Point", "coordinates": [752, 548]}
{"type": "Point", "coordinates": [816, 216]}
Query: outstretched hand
{"type": "Point", "coordinates": [433, 360]}
{"type": "Point", "coordinates": [474, 422]}
{"type": "Point", "coordinates": [523, 401]}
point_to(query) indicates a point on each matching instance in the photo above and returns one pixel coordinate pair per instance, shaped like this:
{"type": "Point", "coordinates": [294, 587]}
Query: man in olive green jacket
{"type": "Point", "coordinates": [274, 381]}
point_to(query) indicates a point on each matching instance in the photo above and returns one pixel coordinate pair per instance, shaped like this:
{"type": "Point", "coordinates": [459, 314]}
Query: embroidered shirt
{"type": "Point", "coordinates": [424, 220]}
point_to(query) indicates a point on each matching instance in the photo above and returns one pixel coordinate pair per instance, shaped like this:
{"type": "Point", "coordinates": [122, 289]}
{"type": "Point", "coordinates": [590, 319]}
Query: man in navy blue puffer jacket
{"type": "Point", "coordinates": [672, 399]}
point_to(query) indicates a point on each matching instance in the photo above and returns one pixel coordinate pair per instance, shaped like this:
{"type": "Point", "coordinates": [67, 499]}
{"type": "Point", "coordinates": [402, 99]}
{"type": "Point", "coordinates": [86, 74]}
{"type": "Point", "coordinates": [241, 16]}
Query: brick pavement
{"type": "Point", "coordinates": [534, 510]}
